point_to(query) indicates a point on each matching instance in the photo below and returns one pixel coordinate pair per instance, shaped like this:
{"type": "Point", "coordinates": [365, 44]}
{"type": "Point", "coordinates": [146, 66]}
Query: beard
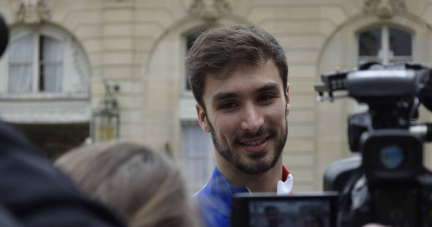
{"type": "Point", "coordinates": [259, 162]}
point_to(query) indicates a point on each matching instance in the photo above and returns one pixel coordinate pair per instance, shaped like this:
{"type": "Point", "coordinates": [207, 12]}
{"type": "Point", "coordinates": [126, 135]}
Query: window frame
{"type": "Point", "coordinates": [36, 33]}
{"type": "Point", "coordinates": [43, 63]}
{"type": "Point", "coordinates": [385, 45]}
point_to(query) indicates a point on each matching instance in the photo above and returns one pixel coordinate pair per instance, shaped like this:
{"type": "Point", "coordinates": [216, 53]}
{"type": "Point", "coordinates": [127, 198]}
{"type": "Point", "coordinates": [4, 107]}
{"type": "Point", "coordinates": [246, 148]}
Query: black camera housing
{"type": "Point", "coordinates": [244, 205]}
{"type": "Point", "coordinates": [388, 184]}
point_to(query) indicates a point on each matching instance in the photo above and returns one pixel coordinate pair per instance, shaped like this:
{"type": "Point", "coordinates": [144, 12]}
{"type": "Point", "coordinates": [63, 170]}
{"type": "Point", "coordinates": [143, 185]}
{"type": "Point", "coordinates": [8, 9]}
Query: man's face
{"type": "Point", "coordinates": [272, 216]}
{"type": "Point", "coordinates": [310, 222]}
{"type": "Point", "coordinates": [246, 115]}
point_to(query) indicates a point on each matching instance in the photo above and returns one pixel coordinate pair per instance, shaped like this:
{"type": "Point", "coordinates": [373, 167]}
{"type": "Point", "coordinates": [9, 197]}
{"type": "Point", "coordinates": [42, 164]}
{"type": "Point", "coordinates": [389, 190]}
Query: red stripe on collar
{"type": "Point", "coordinates": [285, 173]}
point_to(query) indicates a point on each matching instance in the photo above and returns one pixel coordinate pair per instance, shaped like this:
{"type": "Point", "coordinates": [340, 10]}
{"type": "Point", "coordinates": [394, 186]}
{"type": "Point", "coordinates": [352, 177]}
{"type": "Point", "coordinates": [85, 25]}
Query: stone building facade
{"type": "Point", "coordinates": [141, 45]}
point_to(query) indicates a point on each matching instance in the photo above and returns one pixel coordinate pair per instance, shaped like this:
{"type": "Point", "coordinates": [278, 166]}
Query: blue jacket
{"type": "Point", "coordinates": [215, 198]}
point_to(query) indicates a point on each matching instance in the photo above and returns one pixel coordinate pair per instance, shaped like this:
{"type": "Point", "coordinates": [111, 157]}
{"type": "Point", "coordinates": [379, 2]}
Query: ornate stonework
{"type": "Point", "coordinates": [32, 12]}
{"type": "Point", "coordinates": [79, 62]}
{"type": "Point", "coordinates": [209, 9]}
{"type": "Point", "coordinates": [384, 9]}
{"type": "Point", "coordinates": [117, 3]}
{"type": "Point", "coordinates": [45, 111]}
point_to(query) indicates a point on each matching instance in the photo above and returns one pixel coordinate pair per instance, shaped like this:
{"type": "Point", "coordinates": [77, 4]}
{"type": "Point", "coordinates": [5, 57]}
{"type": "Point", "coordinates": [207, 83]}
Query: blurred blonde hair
{"type": "Point", "coordinates": [142, 185]}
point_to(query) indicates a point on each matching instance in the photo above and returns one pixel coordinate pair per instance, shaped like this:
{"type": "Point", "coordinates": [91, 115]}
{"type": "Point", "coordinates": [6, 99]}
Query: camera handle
{"type": "Point", "coordinates": [422, 130]}
{"type": "Point", "coordinates": [344, 217]}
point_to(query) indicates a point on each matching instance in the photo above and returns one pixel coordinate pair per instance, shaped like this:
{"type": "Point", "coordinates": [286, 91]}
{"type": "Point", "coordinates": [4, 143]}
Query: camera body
{"type": "Point", "coordinates": [389, 184]}
{"type": "Point", "coordinates": [268, 209]}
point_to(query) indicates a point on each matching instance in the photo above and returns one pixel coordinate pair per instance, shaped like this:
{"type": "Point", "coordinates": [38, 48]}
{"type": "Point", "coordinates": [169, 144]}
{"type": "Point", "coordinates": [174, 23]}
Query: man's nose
{"type": "Point", "coordinates": [252, 119]}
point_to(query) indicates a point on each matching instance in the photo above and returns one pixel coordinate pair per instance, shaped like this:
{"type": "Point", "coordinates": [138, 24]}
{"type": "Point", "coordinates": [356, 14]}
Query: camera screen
{"type": "Point", "coordinates": [292, 213]}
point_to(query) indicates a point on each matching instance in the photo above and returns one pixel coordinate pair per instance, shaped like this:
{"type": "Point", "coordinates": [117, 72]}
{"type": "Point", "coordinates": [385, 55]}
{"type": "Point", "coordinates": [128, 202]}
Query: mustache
{"type": "Point", "coordinates": [249, 135]}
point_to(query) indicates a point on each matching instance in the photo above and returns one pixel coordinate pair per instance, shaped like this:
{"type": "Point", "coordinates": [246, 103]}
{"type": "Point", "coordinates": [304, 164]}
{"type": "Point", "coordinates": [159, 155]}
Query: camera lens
{"type": "Point", "coordinates": [391, 156]}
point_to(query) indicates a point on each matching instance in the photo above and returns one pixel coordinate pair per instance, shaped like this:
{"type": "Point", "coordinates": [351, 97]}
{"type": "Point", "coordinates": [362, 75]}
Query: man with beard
{"type": "Point", "coordinates": [273, 217]}
{"type": "Point", "coordinates": [238, 75]}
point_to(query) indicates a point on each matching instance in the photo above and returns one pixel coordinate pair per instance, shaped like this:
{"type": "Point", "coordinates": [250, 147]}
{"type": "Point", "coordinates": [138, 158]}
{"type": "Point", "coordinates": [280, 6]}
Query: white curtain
{"type": "Point", "coordinates": [196, 156]}
{"type": "Point", "coordinates": [51, 69]}
{"type": "Point", "coordinates": [21, 65]}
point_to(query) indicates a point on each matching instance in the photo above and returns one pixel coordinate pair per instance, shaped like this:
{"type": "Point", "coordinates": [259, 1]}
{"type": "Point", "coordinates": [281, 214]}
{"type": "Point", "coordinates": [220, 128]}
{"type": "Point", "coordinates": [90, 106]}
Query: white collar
{"type": "Point", "coordinates": [285, 187]}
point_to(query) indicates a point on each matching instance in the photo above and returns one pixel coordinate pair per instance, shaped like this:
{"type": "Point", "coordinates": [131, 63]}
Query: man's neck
{"type": "Point", "coordinates": [263, 182]}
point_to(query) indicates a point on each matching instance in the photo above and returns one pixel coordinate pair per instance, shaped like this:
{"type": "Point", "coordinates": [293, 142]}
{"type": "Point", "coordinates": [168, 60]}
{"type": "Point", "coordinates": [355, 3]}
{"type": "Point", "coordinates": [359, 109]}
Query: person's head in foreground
{"type": "Point", "coordinates": [272, 215]}
{"type": "Point", "coordinates": [140, 184]}
{"type": "Point", "coordinates": [238, 76]}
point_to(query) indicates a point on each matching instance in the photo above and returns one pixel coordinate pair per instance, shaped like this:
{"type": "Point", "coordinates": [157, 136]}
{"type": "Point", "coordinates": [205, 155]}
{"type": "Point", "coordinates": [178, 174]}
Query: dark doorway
{"type": "Point", "coordinates": [55, 139]}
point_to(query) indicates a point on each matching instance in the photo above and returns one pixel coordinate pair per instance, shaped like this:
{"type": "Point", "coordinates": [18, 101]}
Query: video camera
{"type": "Point", "coordinates": [390, 185]}
{"type": "Point", "coordinates": [387, 183]}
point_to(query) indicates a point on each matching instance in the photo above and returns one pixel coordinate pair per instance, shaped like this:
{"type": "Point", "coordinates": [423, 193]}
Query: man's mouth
{"type": "Point", "coordinates": [255, 145]}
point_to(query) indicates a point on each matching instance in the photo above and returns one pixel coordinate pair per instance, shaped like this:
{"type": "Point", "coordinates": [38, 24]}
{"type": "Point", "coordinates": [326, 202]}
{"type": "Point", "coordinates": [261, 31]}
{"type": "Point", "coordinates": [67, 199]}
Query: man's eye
{"type": "Point", "coordinates": [265, 98]}
{"type": "Point", "coordinates": [228, 105]}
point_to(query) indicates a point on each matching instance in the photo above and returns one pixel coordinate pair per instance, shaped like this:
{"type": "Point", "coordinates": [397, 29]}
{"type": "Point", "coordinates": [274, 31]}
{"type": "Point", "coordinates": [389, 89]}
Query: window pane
{"type": "Point", "coordinates": [195, 140]}
{"type": "Point", "coordinates": [21, 51]}
{"type": "Point", "coordinates": [196, 156]}
{"type": "Point", "coordinates": [51, 50]}
{"type": "Point", "coordinates": [21, 65]}
{"type": "Point", "coordinates": [370, 42]}
{"type": "Point", "coordinates": [20, 78]}
{"type": "Point", "coordinates": [400, 42]}
{"type": "Point", "coordinates": [51, 65]}
{"type": "Point", "coordinates": [190, 39]}
{"type": "Point", "coordinates": [52, 80]}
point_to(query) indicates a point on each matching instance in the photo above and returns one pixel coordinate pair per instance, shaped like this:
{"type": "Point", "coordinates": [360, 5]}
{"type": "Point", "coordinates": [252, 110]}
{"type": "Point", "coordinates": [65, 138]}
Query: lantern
{"type": "Point", "coordinates": [106, 118]}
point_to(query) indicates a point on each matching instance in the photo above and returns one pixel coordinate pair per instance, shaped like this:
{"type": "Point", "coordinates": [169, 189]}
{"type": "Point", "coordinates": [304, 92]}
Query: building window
{"type": "Point", "coordinates": [50, 65]}
{"type": "Point", "coordinates": [198, 152]}
{"type": "Point", "coordinates": [385, 45]}
{"type": "Point", "coordinates": [198, 157]}
{"type": "Point", "coordinates": [35, 65]}
{"type": "Point", "coordinates": [21, 65]}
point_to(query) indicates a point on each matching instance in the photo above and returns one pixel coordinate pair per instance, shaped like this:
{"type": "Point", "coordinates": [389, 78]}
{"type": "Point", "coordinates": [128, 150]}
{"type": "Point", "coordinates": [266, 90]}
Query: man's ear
{"type": "Point", "coordinates": [288, 107]}
{"type": "Point", "coordinates": [202, 118]}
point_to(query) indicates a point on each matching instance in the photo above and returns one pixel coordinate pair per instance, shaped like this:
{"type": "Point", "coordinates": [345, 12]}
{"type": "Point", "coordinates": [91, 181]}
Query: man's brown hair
{"type": "Point", "coordinates": [218, 52]}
